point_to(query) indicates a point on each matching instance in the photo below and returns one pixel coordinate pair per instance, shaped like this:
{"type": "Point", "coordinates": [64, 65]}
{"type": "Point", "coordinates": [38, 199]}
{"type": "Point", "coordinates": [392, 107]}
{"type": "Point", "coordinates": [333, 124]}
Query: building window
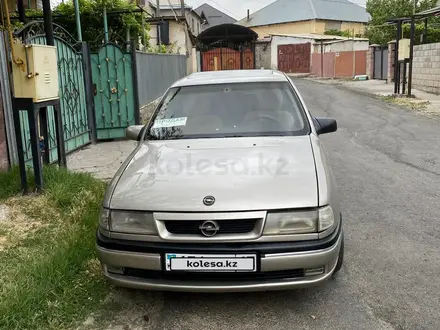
{"type": "Point", "coordinates": [333, 25]}
{"type": "Point", "coordinates": [193, 27]}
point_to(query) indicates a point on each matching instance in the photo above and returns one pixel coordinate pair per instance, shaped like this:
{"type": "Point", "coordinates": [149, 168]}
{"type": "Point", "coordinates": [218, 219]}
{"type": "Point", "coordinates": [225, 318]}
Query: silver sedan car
{"type": "Point", "coordinates": [228, 189]}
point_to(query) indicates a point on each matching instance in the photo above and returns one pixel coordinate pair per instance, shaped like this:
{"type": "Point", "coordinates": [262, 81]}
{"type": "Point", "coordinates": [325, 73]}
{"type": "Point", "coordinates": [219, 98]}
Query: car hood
{"type": "Point", "coordinates": [242, 174]}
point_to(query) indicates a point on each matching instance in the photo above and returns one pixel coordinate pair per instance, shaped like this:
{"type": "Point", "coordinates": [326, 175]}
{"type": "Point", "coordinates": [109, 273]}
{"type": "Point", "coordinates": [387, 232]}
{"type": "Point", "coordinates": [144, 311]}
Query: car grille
{"type": "Point", "coordinates": [243, 226]}
{"type": "Point", "coordinates": [222, 277]}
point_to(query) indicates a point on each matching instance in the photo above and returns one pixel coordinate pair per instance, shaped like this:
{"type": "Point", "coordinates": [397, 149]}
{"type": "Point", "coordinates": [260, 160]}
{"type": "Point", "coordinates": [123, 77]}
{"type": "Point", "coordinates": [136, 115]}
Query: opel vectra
{"type": "Point", "coordinates": [228, 189]}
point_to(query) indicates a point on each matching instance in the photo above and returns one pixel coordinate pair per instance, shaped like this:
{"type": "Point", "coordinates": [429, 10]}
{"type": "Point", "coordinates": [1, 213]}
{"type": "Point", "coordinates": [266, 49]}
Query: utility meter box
{"type": "Point", "coordinates": [404, 49]}
{"type": "Point", "coordinates": [37, 77]}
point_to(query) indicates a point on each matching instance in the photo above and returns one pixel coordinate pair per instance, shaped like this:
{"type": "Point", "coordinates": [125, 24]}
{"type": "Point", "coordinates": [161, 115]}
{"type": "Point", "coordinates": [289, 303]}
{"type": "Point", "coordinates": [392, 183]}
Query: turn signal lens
{"type": "Point", "coordinates": [326, 218]}
{"type": "Point", "coordinates": [104, 219]}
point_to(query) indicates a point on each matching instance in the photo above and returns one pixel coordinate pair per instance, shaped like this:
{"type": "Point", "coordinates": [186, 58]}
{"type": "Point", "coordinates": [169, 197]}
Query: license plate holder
{"type": "Point", "coordinates": [214, 263]}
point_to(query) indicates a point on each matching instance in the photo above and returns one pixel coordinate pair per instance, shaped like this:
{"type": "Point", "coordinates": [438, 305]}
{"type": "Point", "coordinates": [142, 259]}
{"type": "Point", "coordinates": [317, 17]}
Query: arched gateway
{"type": "Point", "coordinates": [227, 47]}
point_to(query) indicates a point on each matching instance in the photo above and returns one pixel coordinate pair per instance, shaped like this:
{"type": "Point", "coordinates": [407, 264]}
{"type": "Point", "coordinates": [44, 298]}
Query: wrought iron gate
{"type": "Point", "coordinates": [73, 102]}
{"type": "Point", "coordinates": [380, 63]}
{"type": "Point", "coordinates": [115, 90]}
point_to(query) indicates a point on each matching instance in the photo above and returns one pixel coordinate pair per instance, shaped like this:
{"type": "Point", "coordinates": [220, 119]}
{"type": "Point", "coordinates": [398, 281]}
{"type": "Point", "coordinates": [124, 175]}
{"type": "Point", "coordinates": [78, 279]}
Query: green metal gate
{"type": "Point", "coordinates": [72, 94]}
{"type": "Point", "coordinates": [115, 90]}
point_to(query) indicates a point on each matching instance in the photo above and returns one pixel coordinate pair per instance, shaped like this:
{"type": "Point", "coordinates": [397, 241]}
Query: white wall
{"type": "Point", "coordinates": [280, 40]}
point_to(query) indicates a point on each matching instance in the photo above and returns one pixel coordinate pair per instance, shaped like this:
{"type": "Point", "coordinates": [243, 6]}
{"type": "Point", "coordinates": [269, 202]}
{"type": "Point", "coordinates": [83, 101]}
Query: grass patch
{"type": "Point", "coordinates": [411, 103]}
{"type": "Point", "coordinates": [52, 278]}
{"type": "Point", "coordinates": [10, 183]}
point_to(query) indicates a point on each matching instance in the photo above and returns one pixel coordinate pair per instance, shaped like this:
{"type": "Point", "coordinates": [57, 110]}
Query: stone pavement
{"type": "Point", "coordinates": [102, 160]}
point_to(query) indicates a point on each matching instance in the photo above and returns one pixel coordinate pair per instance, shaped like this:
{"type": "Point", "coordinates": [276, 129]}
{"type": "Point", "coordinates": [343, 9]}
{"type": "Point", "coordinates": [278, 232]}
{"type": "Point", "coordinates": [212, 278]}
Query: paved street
{"type": "Point", "coordinates": [387, 162]}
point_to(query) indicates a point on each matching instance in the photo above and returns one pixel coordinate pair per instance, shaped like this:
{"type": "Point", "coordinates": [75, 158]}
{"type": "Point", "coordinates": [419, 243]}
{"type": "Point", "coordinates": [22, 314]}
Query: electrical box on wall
{"type": "Point", "coordinates": [404, 49]}
{"type": "Point", "coordinates": [37, 77]}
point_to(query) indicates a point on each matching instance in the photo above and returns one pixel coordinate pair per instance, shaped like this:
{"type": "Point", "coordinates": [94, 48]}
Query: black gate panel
{"type": "Point", "coordinates": [380, 63]}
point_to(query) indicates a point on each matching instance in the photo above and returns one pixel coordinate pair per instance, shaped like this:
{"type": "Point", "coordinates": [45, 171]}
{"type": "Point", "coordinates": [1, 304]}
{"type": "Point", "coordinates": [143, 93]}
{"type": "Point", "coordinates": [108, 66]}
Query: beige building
{"type": "Point", "coordinates": [28, 4]}
{"type": "Point", "coordinates": [307, 16]}
{"type": "Point", "coordinates": [177, 35]}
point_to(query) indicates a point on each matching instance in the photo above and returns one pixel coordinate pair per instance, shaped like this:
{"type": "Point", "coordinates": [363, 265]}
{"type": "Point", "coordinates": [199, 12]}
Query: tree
{"type": "Point", "coordinates": [346, 33]}
{"type": "Point", "coordinates": [92, 17]}
{"type": "Point", "coordinates": [384, 10]}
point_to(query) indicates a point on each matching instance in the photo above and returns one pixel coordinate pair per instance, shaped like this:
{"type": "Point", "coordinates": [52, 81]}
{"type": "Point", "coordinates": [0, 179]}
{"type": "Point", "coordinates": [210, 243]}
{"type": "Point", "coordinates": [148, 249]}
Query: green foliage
{"type": "Point", "coordinates": [92, 19]}
{"type": "Point", "coordinates": [165, 49]}
{"type": "Point", "coordinates": [383, 10]}
{"type": "Point", "coordinates": [345, 33]}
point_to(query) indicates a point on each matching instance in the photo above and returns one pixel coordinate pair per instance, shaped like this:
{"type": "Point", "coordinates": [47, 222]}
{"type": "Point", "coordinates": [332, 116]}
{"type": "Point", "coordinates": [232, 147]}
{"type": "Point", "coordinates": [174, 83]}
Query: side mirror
{"type": "Point", "coordinates": [325, 125]}
{"type": "Point", "coordinates": [134, 132]}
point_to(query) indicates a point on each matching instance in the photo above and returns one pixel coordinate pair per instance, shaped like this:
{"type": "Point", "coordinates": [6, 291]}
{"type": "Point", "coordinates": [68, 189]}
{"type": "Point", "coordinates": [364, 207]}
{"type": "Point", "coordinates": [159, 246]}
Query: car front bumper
{"type": "Point", "coordinates": [290, 265]}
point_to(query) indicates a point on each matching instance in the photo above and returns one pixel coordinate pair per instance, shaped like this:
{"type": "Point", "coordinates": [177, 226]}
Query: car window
{"type": "Point", "coordinates": [229, 110]}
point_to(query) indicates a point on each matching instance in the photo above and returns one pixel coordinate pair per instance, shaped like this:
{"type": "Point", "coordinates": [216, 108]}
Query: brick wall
{"type": "Point", "coordinates": [391, 52]}
{"type": "Point", "coordinates": [370, 62]}
{"type": "Point", "coordinates": [426, 68]}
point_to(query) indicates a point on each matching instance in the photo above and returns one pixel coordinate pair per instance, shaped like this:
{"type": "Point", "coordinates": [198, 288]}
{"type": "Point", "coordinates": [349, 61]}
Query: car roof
{"type": "Point", "coordinates": [230, 77]}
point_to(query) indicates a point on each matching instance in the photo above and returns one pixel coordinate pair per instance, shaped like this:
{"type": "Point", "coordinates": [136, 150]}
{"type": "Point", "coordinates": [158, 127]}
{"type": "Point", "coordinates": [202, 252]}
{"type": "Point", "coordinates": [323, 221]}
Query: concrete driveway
{"type": "Point", "coordinates": [387, 161]}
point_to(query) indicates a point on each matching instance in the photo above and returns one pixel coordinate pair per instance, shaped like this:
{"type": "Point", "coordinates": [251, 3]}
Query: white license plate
{"type": "Point", "coordinates": [211, 263]}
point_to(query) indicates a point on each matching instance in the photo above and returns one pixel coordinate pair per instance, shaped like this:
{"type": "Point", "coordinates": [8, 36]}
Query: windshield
{"type": "Point", "coordinates": [229, 110]}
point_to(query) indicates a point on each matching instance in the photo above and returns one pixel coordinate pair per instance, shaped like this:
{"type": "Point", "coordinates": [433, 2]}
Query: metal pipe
{"type": "Point", "coordinates": [17, 61]}
{"type": "Point", "coordinates": [425, 34]}
{"type": "Point", "coordinates": [396, 58]}
{"type": "Point", "coordinates": [21, 12]}
{"type": "Point", "coordinates": [322, 58]}
{"type": "Point", "coordinates": [105, 24]}
{"type": "Point", "coordinates": [48, 26]}
{"type": "Point", "coordinates": [143, 31]}
{"type": "Point", "coordinates": [404, 77]}
{"type": "Point", "coordinates": [159, 27]}
{"type": "Point", "coordinates": [182, 5]}
{"type": "Point", "coordinates": [78, 20]}
{"type": "Point", "coordinates": [411, 54]}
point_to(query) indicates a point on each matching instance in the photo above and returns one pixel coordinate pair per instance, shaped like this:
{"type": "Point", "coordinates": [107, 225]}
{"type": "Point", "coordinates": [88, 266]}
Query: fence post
{"type": "Point", "coordinates": [322, 58]}
{"type": "Point", "coordinates": [391, 68]}
{"type": "Point", "coordinates": [371, 59]}
{"type": "Point", "coordinates": [90, 98]}
{"type": "Point", "coordinates": [137, 112]}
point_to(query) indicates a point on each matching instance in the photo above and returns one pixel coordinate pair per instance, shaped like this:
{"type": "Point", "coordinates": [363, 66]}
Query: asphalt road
{"type": "Point", "coordinates": [387, 162]}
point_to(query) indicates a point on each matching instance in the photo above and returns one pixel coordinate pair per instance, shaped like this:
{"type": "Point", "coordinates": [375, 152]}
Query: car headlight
{"type": "Point", "coordinates": [289, 223]}
{"type": "Point", "coordinates": [301, 222]}
{"type": "Point", "coordinates": [133, 222]}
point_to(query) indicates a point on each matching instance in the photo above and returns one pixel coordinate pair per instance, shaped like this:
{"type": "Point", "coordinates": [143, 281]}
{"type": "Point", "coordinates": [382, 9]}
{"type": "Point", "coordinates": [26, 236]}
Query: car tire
{"type": "Point", "coordinates": [340, 258]}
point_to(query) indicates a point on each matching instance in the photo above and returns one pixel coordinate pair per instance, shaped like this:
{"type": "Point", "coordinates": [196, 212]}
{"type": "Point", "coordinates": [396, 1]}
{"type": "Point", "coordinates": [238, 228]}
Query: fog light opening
{"type": "Point", "coordinates": [115, 270]}
{"type": "Point", "coordinates": [314, 271]}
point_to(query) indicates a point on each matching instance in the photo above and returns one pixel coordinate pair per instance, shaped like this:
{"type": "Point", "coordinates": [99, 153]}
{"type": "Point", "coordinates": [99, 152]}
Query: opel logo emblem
{"type": "Point", "coordinates": [209, 200]}
{"type": "Point", "coordinates": [209, 228]}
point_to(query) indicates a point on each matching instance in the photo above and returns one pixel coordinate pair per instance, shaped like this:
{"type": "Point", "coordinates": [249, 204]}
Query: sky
{"type": "Point", "coordinates": [238, 8]}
